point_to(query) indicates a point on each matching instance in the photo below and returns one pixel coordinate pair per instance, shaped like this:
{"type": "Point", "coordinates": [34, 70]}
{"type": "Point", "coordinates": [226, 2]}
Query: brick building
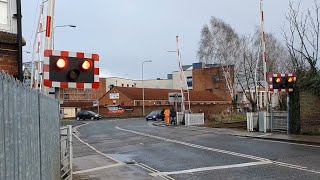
{"type": "Point", "coordinates": [123, 96]}
{"type": "Point", "coordinates": [8, 38]}
{"type": "Point", "coordinates": [75, 99]}
{"type": "Point", "coordinates": [155, 99]}
{"type": "Point", "coordinates": [9, 53]}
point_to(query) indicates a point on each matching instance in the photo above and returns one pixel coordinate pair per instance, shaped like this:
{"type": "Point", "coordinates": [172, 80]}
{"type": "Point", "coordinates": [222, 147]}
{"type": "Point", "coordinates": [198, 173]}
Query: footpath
{"type": "Point", "coordinates": [301, 139]}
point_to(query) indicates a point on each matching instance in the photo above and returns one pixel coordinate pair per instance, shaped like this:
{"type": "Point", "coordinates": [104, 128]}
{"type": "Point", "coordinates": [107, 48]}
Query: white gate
{"type": "Point", "coordinates": [252, 121]}
{"type": "Point", "coordinates": [194, 119]}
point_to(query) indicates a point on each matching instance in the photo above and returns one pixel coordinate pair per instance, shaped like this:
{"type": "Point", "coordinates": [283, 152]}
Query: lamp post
{"type": "Point", "coordinates": [68, 25]}
{"type": "Point", "coordinates": [143, 87]}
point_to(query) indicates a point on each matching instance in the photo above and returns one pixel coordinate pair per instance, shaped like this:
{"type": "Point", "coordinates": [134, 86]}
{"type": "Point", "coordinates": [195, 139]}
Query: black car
{"type": "Point", "coordinates": [83, 115]}
{"type": "Point", "coordinates": [154, 115]}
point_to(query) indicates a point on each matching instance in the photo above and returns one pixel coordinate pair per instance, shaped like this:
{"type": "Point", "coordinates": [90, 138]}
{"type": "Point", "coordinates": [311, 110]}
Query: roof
{"type": "Point", "coordinates": [162, 94]}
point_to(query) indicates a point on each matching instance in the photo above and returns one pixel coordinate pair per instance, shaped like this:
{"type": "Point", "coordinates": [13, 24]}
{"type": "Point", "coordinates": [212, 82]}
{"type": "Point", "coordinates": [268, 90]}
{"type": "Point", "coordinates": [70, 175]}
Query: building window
{"type": "Point", "coordinates": [122, 85]}
{"type": "Point", "coordinates": [127, 85]}
{"type": "Point", "coordinates": [66, 97]}
{"type": "Point", "coordinates": [4, 12]}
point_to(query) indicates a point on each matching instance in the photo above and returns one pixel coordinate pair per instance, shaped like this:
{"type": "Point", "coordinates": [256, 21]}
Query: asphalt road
{"type": "Point", "coordinates": [135, 149]}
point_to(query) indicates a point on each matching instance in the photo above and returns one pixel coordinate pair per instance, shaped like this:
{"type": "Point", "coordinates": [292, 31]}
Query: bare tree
{"type": "Point", "coordinates": [221, 44]}
{"type": "Point", "coordinates": [218, 44]}
{"type": "Point", "coordinates": [302, 38]}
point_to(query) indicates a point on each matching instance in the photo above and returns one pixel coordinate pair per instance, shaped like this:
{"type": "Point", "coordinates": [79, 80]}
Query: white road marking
{"type": "Point", "coordinates": [119, 163]}
{"type": "Point", "coordinates": [97, 168]}
{"type": "Point", "coordinates": [292, 143]}
{"type": "Point", "coordinates": [198, 146]}
{"type": "Point", "coordinates": [164, 176]}
{"type": "Point", "coordinates": [212, 168]}
{"type": "Point", "coordinates": [201, 129]}
{"type": "Point", "coordinates": [97, 151]}
{"type": "Point", "coordinates": [292, 166]}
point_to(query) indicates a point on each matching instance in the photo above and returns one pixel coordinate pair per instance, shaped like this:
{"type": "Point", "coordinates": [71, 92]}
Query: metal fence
{"type": "Point", "coordinates": [66, 152]}
{"type": "Point", "coordinates": [29, 133]}
{"type": "Point", "coordinates": [194, 119]}
{"type": "Point", "coordinates": [279, 121]}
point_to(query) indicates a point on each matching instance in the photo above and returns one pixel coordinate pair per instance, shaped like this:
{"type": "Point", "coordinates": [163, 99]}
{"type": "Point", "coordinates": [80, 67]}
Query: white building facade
{"type": "Point", "coordinates": [8, 9]}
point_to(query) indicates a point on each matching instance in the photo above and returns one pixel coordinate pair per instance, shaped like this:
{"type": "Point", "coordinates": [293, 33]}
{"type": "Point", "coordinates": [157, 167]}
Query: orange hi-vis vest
{"type": "Point", "coordinates": [167, 113]}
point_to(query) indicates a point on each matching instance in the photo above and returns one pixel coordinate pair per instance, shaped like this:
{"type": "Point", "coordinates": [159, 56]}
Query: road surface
{"type": "Point", "coordinates": [135, 149]}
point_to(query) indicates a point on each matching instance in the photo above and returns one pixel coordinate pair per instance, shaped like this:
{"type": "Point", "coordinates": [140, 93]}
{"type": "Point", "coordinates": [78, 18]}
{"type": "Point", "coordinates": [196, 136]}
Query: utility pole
{"type": "Point", "coordinates": [19, 39]}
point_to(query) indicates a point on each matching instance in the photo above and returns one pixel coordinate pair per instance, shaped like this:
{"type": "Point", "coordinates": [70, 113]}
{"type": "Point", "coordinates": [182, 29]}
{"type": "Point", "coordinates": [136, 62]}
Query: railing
{"type": "Point", "coordinates": [66, 152]}
{"type": "Point", "coordinates": [194, 119]}
{"type": "Point", "coordinates": [29, 133]}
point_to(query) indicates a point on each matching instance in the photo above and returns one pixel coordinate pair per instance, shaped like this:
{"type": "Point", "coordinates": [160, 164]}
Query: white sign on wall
{"type": "Point", "coordinates": [114, 95]}
{"type": "Point", "coordinates": [95, 103]}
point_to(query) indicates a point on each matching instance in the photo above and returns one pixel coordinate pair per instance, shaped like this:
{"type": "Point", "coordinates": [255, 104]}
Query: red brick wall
{"type": "Point", "coordinates": [9, 58]}
{"type": "Point", "coordinates": [309, 113]}
{"type": "Point", "coordinates": [98, 93]}
{"type": "Point", "coordinates": [124, 100]}
{"type": "Point", "coordinates": [203, 80]}
{"type": "Point", "coordinates": [80, 95]}
{"type": "Point", "coordinates": [137, 110]}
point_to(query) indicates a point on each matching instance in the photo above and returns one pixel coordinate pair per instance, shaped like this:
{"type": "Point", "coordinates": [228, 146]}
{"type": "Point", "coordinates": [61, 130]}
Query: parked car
{"type": "Point", "coordinates": [83, 115]}
{"type": "Point", "coordinates": [154, 115]}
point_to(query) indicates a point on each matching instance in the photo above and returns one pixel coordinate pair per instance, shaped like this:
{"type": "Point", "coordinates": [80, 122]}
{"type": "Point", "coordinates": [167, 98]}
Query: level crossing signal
{"type": "Point", "coordinates": [282, 82]}
{"type": "Point", "coordinates": [71, 70]}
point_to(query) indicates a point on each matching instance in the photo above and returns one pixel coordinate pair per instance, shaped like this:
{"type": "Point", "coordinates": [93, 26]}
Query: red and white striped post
{"type": "Point", "coordinates": [39, 64]}
{"type": "Point", "coordinates": [263, 39]}
{"type": "Point", "coordinates": [49, 29]}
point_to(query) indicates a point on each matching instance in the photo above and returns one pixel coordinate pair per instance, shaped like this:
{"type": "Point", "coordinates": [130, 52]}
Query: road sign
{"type": "Point", "coordinates": [66, 69]}
{"type": "Point", "coordinates": [175, 97]}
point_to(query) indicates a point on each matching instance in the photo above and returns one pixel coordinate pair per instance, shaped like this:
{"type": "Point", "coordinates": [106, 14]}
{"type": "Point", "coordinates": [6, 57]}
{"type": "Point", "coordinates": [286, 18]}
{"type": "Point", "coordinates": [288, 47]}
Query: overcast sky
{"type": "Point", "coordinates": [126, 32]}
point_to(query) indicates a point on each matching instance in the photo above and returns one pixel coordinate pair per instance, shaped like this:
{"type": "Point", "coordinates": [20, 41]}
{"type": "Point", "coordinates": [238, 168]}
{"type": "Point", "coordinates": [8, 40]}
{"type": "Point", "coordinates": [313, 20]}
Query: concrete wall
{"type": "Point", "coordinates": [156, 84]}
{"type": "Point", "coordinates": [176, 79]}
{"type": "Point", "coordinates": [309, 113]}
{"type": "Point", "coordinates": [121, 82]}
{"type": "Point", "coordinates": [69, 112]}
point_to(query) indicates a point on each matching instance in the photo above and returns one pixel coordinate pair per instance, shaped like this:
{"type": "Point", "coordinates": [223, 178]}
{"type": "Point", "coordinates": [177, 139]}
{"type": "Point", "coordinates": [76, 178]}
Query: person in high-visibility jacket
{"type": "Point", "coordinates": [167, 116]}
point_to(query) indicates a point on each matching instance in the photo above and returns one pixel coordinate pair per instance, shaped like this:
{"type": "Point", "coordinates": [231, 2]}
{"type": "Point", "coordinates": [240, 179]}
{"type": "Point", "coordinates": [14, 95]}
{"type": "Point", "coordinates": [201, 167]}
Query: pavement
{"type": "Point", "coordinates": [303, 139]}
{"type": "Point", "coordinates": [137, 149]}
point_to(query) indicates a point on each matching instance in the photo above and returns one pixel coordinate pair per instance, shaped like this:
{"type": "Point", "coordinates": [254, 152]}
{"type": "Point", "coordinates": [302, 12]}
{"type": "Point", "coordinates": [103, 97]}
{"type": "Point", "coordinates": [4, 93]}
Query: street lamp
{"type": "Point", "coordinates": [67, 25]}
{"type": "Point", "coordinates": [143, 87]}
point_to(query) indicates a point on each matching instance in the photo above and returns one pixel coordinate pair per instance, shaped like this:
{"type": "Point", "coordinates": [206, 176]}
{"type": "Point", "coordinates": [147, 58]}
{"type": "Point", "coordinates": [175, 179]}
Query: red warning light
{"type": "Point", "coordinates": [278, 80]}
{"type": "Point", "coordinates": [61, 63]}
{"type": "Point", "coordinates": [86, 65]}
